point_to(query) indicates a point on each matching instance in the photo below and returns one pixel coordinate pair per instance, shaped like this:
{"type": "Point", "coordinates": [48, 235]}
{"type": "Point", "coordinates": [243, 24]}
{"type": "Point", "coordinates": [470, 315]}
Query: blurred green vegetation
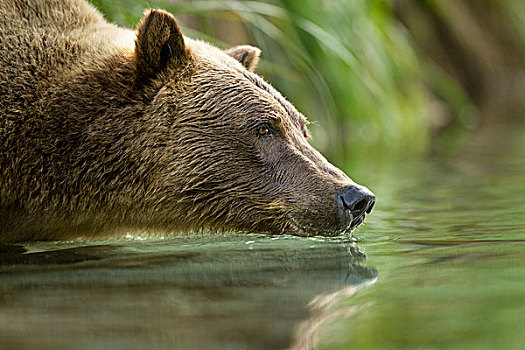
{"type": "Point", "coordinates": [350, 66]}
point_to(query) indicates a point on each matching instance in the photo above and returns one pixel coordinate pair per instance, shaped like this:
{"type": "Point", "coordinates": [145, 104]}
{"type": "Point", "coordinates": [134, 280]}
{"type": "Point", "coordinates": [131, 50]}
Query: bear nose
{"type": "Point", "coordinates": [357, 200]}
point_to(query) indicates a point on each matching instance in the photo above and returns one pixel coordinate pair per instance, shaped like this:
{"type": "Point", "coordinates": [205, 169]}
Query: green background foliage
{"type": "Point", "coordinates": [352, 67]}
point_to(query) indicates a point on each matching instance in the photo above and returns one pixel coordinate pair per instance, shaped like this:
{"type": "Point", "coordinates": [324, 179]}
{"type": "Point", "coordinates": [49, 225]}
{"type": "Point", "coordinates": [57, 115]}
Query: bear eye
{"type": "Point", "coordinates": [263, 130]}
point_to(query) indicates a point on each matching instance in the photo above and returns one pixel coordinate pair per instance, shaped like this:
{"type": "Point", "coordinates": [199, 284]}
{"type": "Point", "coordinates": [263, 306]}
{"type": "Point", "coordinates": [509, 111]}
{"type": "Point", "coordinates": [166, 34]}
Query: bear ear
{"type": "Point", "coordinates": [247, 55]}
{"type": "Point", "coordinates": [159, 42]}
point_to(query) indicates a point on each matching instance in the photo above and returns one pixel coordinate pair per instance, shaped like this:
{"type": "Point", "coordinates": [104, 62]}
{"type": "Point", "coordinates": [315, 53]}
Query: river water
{"type": "Point", "coordinates": [440, 263]}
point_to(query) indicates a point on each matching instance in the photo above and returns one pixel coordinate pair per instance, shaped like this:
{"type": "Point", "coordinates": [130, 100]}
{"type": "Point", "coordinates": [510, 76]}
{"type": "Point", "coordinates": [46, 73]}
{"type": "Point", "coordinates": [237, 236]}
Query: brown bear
{"type": "Point", "coordinates": [104, 130]}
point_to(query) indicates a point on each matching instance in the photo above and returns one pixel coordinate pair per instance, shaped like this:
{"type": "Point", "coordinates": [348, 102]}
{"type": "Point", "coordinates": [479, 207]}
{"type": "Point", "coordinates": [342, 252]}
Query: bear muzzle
{"type": "Point", "coordinates": [344, 212]}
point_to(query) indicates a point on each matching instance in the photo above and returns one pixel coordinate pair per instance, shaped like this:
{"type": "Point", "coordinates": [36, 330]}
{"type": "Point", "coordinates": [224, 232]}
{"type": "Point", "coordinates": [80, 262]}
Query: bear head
{"type": "Point", "coordinates": [235, 155]}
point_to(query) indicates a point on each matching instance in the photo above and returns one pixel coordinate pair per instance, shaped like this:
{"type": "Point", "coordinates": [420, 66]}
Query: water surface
{"type": "Point", "coordinates": [439, 264]}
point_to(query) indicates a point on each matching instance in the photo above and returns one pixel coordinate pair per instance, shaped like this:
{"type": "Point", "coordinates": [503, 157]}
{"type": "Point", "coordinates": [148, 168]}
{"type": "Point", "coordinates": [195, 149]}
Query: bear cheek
{"type": "Point", "coordinates": [310, 198]}
{"type": "Point", "coordinates": [319, 220]}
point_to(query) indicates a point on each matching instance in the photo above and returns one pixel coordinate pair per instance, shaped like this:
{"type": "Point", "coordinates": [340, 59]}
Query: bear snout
{"type": "Point", "coordinates": [338, 213]}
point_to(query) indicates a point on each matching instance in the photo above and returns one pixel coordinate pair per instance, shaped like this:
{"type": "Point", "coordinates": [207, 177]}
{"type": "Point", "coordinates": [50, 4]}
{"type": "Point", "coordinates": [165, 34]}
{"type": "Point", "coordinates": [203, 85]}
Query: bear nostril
{"type": "Point", "coordinates": [360, 206]}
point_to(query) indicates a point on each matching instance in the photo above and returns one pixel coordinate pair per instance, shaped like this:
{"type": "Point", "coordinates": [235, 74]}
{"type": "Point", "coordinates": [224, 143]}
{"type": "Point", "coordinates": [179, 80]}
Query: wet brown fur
{"type": "Point", "coordinates": [104, 130]}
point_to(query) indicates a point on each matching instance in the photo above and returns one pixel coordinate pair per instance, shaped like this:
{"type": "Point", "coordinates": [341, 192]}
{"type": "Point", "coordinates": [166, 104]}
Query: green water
{"type": "Point", "coordinates": [439, 264]}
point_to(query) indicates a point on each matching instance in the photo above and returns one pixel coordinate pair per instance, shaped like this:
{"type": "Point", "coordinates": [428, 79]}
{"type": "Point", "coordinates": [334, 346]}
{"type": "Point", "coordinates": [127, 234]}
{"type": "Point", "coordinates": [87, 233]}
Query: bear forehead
{"type": "Point", "coordinates": [298, 118]}
{"type": "Point", "coordinates": [218, 64]}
